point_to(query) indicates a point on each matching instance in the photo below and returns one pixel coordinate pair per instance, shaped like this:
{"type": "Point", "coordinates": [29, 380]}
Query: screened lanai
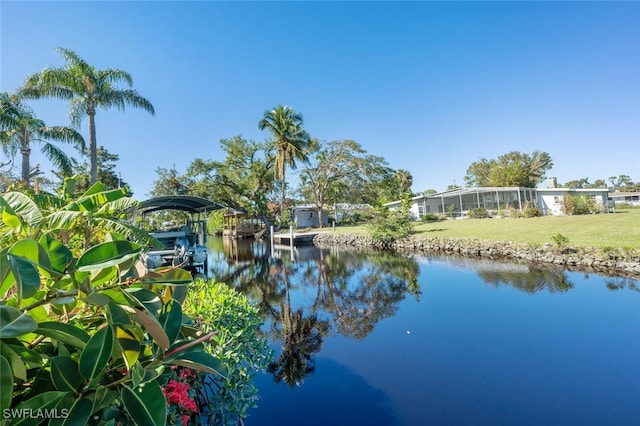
{"type": "Point", "coordinates": [458, 201]}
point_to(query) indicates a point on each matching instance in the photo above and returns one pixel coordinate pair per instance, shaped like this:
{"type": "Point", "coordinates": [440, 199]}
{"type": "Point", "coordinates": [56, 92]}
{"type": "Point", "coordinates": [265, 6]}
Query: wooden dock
{"type": "Point", "coordinates": [294, 238]}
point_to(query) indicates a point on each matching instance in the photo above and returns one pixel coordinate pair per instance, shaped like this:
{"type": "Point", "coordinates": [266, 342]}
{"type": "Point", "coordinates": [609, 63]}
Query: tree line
{"type": "Point", "coordinates": [251, 176]}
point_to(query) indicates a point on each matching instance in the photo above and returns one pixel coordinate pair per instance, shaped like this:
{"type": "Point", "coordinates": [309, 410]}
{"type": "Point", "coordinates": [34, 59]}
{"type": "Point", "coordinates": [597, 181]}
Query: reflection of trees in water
{"type": "Point", "coordinates": [358, 289]}
{"type": "Point", "coordinates": [531, 280]}
{"type": "Point", "coordinates": [620, 283]}
{"type": "Point", "coordinates": [352, 292]}
{"type": "Point", "coordinates": [302, 337]}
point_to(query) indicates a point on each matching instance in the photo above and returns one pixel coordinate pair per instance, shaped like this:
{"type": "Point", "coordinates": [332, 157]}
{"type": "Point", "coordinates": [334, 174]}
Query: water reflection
{"type": "Point", "coordinates": [305, 293]}
{"type": "Point", "coordinates": [384, 338]}
{"type": "Point", "coordinates": [528, 278]}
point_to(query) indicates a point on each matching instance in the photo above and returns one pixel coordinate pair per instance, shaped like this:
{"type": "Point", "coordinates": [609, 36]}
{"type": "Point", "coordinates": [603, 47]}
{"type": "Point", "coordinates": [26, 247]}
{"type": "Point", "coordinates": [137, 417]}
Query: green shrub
{"type": "Point", "coordinates": [433, 217]}
{"type": "Point", "coordinates": [579, 205]}
{"type": "Point", "coordinates": [214, 306]}
{"type": "Point", "coordinates": [478, 213]}
{"type": "Point", "coordinates": [560, 240]}
{"type": "Point", "coordinates": [532, 212]}
{"type": "Point", "coordinates": [389, 226]}
{"type": "Point", "coordinates": [87, 331]}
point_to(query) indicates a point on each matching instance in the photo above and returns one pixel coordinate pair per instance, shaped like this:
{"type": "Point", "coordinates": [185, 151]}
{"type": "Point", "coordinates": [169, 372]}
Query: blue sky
{"type": "Point", "coordinates": [429, 86]}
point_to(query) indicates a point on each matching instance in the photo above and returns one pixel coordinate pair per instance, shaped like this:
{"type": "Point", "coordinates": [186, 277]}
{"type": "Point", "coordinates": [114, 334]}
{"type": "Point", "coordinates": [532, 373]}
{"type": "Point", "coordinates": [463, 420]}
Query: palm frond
{"type": "Point", "coordinates": [58, 158]}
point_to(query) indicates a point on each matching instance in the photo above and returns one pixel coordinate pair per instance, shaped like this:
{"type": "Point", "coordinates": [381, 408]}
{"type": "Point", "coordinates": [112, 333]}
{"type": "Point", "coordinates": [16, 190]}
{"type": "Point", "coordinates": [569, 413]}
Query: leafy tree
{"type": "Point", "coordinates": [169, 182]}
{"type": "Point", "coordinates": [584, 183]}
{"type": "Point", "coordinates": [512, 169]}
{"type": "Point", "coordinates": [576, 184]}
{"type": "Point", "coordinates": [598, 183]}
{"type": "Point", "coordinates": [245, 178]}
{"type": "Point", "coordinates": [292, 142]}
{"type": "Point", "coordinates": [403, 181]}
{"type": "Point", "coordinates": [24, 129]}
{"type": "Point", "coordinates": [334, 168]}
{"type": "Point", "coordinates": [621, 181]}
{"type": "Point", "coordinates": [86, 89]}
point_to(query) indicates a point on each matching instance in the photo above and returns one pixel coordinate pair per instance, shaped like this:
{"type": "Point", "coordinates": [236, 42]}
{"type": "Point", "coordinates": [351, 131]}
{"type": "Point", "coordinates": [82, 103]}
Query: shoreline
{"type": "Point", "coordinates": [619, 261]}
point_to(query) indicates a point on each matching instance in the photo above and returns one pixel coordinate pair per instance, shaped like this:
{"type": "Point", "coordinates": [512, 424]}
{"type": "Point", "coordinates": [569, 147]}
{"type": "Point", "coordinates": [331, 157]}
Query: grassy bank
{"type": "Point", "coordinates": [621, 229]}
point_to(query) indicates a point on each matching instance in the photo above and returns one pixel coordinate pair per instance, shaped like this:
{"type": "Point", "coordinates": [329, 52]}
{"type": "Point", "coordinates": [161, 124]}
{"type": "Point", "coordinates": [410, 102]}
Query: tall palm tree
{"type": "Point", "coordinates": [24, 128]}
{"type": "Point", "coordinates": [292, 142]}
{"type": "Point", "coordinates": [86, 88]}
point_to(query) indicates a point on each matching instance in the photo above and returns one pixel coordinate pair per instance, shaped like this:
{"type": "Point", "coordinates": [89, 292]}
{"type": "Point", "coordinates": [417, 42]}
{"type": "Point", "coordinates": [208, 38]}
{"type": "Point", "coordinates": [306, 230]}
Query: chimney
{"type": "Point", "coordinates": [552, 182]}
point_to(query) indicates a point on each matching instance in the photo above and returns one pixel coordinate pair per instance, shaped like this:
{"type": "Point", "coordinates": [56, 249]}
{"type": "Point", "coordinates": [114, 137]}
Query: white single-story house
{"type": "Point", "coordinates": [618, 198]}
{"type": "Point", "coordinates": [457, 202]}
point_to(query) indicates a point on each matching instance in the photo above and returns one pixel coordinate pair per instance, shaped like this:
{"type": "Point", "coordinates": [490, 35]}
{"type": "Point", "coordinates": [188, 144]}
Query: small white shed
{"type": "Point", "coordinates": [306, 216]}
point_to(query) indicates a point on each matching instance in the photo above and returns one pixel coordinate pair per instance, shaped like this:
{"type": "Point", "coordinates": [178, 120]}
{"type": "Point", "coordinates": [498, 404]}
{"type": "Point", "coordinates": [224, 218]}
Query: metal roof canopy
{"type": "Point", "coordinates": [178, 202]}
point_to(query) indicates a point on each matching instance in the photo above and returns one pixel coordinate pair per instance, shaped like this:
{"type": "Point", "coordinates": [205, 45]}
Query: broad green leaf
{"type": "Point", "coordinates": [11, 220]}
{"type": "Point", "coordinates": [117, 315]}
{"type": "Point", "coordinates": [171, 319]}
{"type": "Point", "coordinates": [32, 251]}
{"type": "Point", "coordinates": [18, 368]}
{"type": "Point", "coordinates": [65, 374]}
{"type": "Point", "coordinates": [95, 197]}
{"type": "Point", "coordinates": [95, 356]}
{"type": "Point", "coordinates": [14, 323]}
{"type": "Point", "coordinates": [26, 276]}
{"type": "Point", "coordinates": [153, 327]}
{"type": "Point", "coordinates": [43, 401]}
{"type": "Point", "coordinates": [97, 299]}
{"type": "Point", "coordinates": [107, 254]}
{"type": "Point", "coordinates": [129, 343]}
{"type": "Point", "coordinates": [145, 404]}
{"type": "Point", "coordinates": [28, 356]}
{"type": "Point", "coordinates": [141, 375]}
{"type": "Point", "coordinates": [102, 398]}
{"type": "Point", "coordinates": [6, 276]}
{"type": "Point", "coordinates": [65, 333]}
{"type": "Point", "coordinates": [143, 297]}
{"type": "Point", "coordinates": [6, 383]}
{"type": "Point", "coordinates": [104, 276]}
{"type": "Point", "coordinates": [167, 276]}
{"type": "Point", "coordinates": [24, 207]}
{"type": "Point", "coordinates": [78, 412]}
{"type": "Point", "coordinates": [62, 219]}
{"type": "Point", "coordinates": [59, 254]}
{"type": "Point", "coordinates": [200, 361]}
{"type": "Point", "coordinates": [116, 295]}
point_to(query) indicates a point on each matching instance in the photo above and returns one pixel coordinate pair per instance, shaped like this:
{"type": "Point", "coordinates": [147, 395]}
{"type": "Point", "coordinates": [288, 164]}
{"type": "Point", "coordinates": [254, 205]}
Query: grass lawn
{"type": "Point", "coordinates": [621, 229]}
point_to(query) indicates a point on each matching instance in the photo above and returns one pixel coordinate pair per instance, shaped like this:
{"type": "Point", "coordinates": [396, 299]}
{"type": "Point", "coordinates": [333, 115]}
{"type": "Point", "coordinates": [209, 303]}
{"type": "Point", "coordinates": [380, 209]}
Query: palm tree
{"type": "Point", "coordinates": [22, 128]}
{"type": "Point", "coordinates": [292, 142]}
{"type": "Point", "coordinates": [86, 88]}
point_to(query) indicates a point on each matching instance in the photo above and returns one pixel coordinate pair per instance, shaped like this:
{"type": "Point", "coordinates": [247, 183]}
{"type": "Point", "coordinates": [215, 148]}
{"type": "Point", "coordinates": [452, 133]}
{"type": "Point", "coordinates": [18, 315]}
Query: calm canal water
{"type": "Point", "coordinates": [375, 338]}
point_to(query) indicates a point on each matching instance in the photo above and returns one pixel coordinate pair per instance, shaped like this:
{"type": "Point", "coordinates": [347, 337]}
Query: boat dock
{"type": "Point", "coordinates": [293, 238]}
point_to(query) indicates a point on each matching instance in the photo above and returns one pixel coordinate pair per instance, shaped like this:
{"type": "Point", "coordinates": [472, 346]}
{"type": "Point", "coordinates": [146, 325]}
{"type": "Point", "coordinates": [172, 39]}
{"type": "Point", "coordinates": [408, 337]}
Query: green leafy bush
{"type": "Point", "coordinates": [532, 212]}
{"type": "Point", "coordinates": [560, 240]}
{"type": "Point", "coordinates": [579, 205]}
{"type": "Point", "coordinates": [390, 225]}
{"type": "Point", "coordinates": [85, 331]}
{"type": "Point", "coordinates": [433, 217]}
{"type": "Point", "coordinates": [213, 306]}
{"type": "Point", "coordinates": [478, 213]}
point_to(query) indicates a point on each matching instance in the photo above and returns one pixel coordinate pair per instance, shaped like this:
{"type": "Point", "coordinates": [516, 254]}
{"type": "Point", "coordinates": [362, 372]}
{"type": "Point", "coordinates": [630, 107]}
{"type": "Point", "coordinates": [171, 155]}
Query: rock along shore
{"type": "Point", "coordinates": [609, 261]}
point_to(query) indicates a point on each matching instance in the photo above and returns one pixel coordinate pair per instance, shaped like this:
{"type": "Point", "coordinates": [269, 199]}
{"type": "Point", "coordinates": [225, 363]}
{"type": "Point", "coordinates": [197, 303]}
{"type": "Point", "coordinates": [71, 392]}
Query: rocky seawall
{"type": "Point", "coordinates": [610, 261]}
